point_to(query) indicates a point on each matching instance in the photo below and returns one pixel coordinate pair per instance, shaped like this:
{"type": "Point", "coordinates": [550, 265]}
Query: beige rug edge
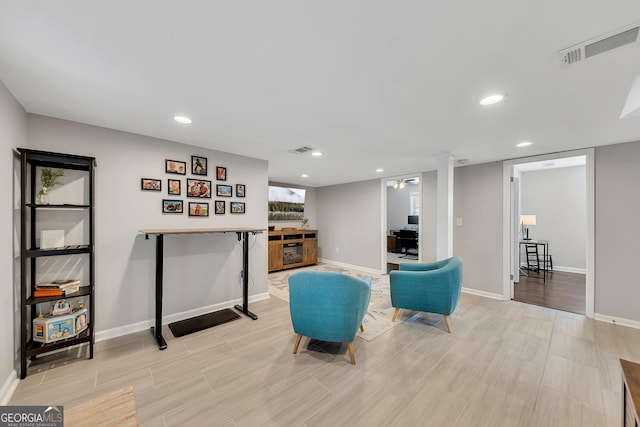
{"type": "Point", "coordinates": [117, 408]}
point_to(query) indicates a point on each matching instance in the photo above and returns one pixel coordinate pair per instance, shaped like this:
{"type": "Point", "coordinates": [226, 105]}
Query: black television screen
{"type": "Point", "coordinates": [412, 219]}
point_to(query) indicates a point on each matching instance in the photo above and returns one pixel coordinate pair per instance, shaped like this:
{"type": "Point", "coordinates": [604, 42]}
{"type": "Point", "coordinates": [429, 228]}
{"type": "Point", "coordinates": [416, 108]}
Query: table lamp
{"type": "Point", "coordinates": [525, 222]}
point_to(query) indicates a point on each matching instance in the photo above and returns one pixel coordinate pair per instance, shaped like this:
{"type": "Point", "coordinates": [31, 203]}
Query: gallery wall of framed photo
{"type": "Point", "coordinates": [212, 190]}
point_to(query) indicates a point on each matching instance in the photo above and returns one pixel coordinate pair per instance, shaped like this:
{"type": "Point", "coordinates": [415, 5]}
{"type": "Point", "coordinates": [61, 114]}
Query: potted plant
{"type": "Point", "coordinates": [48, 178]}
{"type": "Point", "coordinates": [304, 222]}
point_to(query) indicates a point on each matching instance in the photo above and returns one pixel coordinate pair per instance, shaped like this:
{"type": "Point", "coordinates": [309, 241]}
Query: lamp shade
{"type": "Point", "coordinates": [528, 219]}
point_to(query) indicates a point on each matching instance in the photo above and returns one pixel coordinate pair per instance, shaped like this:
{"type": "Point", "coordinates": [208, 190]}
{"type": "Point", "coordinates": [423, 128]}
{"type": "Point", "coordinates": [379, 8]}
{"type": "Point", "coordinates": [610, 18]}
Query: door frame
{"type": "Point", "coordinates": [508, 238]}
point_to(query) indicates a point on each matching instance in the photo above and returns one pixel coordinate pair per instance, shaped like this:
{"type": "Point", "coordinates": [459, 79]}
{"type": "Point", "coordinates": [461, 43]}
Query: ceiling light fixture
{"type": "Point", "coordinates": [379, 170]}
{"type": "Point", "coordinates": [492, 99]}
{"type": "Point", "coordinates": [316, 154]}
{"type": "Point", "coordinates": [524, 144]}
{"type": "Point", "coordinates": [304, 175]}
{"type": "Point", "coordinates": [182, 119]}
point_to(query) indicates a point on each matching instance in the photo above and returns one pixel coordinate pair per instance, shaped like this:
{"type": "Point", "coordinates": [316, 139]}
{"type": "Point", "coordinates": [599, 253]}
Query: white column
{"type": "Point", "coordinates": [445, 207]}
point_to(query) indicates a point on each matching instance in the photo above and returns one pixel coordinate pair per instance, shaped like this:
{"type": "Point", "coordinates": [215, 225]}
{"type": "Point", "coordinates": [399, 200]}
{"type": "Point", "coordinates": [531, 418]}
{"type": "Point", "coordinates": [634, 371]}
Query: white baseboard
{"type": "Point", "coordinates": [146, 324]}
{"type": "Point", "coordinates": [569, 269]}
{"type": "Point", "coordinates": [617, 320]}
{"type": "Point", "coordinates": [482, 293]}
{"type": "Point", "coordinates": [8, 388]}
{"type": "Point", "coordinates": [351, 266]}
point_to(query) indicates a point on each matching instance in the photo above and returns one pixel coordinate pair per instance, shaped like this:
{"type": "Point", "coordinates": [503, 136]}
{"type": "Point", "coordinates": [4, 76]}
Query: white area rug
{"type": "Point", "coordinates": [378, 318]}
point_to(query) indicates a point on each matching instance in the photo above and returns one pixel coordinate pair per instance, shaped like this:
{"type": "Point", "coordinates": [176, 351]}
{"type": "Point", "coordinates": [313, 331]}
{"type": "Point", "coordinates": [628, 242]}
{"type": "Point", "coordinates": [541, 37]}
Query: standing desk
{"type": "Point", "coordinates": [243, 235]}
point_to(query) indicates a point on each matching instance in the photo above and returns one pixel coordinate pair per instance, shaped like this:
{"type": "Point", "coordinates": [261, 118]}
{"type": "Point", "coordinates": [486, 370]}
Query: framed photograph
{"type": "Point", "coordinates": [172, 206]}
{"type": "Point", "coordinates": [174, 166]}
{"type": "Point", "coordinates": [237, 207]}
{"type": "Point", "coordinates": [198, 165]}
{"type": "Point", "coordinates": [239, 190]}
{"type": "Point", "coordinates": [221, 173]}
{"type": "Point", "coordinates": [173, 186]}
{"type": "Point", "coordinates": [200, 188]}
{"type": "Point", "coordinates": [198, 209]}
{"type": "Point", "coordinates": [149, 184]}
{"type": "Point", "coordinates": [224, 190]}
{"type": "Point", "coordinates": [220, 207]}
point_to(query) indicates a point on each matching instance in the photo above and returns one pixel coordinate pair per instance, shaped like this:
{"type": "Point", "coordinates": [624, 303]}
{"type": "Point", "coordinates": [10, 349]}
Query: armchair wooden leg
{"type": "Point", "coordinates": [448, 322]}
{"type": "Point", "coordinates": [352, 353]}
{"type": "Point", "coordinates": [395, 314]}
{"type": "Point", "coordinates": [295, 346]}
{"type": "Point", "coordinates": [361, 328]}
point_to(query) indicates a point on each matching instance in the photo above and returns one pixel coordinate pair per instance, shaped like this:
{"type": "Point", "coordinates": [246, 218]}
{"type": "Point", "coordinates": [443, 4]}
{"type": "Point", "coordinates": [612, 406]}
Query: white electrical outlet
{"type": "Point", "coordinates": [337, 249]}
{"type": "Point", "coordinates": [458, 221]}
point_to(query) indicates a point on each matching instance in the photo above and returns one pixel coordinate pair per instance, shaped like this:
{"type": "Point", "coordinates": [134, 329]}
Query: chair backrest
{"type": "Point", "coordinates": [433, 287]}
{"type": "Point", "coordinates": [328, 306]}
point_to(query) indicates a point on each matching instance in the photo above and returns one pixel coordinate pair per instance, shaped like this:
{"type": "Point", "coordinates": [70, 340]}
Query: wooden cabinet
{"type": "Point", "coordinates": [290, 248]}
{"type": "Point", "coordinates": [38, 333]}
{"type": "Point", "coordinates": [630, 393]}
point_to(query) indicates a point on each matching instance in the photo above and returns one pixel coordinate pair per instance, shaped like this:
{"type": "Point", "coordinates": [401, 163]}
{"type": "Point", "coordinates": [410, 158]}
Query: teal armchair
{"type": "Point", "coordinates": [432, 287]}
{"type": "Point", "coordinates": [328, 306]}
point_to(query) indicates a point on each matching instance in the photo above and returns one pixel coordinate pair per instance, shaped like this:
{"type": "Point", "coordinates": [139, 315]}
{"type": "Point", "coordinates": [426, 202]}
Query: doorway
{"type": "Point", "coordinates": [402, 228]}
{"type": "Point", "coordinates": [548, 245]}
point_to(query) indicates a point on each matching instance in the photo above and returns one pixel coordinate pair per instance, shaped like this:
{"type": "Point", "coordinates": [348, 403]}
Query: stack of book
{"type": "Point", "coordinates": [57, 288]}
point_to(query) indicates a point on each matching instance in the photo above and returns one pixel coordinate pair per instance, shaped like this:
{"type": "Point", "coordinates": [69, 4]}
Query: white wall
{"type": "Point", "coordinates": [13, 133]}
{"type": "Point", "coordinates": [617, 197]}
{"type": "Point", "coordinates": [558, 199]}
{"type": "Point", "coordinates": [398, 203]}
{"type": "Point", "coordinates": [478, 201]}
{"type": "Point", "coordinates": [199, 270]}
{"type": "Point", "coordinates": [349, 223]}
{"type": "Point", "coordinates": [429, 216]}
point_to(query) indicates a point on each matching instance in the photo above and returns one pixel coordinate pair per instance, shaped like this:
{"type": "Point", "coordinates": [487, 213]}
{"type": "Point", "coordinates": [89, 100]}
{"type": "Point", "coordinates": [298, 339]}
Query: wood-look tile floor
{"type": "Point", "coordinates": [505, 364]}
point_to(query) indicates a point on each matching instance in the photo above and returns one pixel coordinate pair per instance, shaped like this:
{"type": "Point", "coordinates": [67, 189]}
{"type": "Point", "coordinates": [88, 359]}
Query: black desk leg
{"type": "Point", "coordinates": [157, 330]}
{"type": "Point", "coordinates": [244, 309]}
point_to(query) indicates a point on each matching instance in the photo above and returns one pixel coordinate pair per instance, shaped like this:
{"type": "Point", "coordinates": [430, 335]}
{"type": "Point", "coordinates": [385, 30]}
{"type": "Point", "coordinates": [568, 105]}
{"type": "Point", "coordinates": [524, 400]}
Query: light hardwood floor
{"type": "Point", "coordinates": [505, 364]}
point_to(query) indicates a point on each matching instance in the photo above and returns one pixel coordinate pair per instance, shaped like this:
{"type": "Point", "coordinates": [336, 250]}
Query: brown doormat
{"type": "Point", "coordinates": [114, 409]}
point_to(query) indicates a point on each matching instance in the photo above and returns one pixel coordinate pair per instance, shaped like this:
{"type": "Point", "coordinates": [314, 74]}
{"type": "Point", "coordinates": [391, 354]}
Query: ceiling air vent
{"type": "Point", "coordinates": [301, 150]}
{"type": "Point", "coordinates": [612, 40]}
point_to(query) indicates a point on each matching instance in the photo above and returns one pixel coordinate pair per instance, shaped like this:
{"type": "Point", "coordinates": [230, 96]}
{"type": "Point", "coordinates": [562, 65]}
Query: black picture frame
{"type": "Point", "coordinates": [198, 165]}
{"type": "Point", "coordinates": [175, 166]}
{"type": "Point", "coordinates": [237, 207]}
{"type": "Point", "coordinates": [174, 187]}
{"type": "Point", "coordinates": [198, 188]}
{"type": "Point", "coordinates": [240, 190]}
{"type": "Point", "coordinates": [221, 173]}
{"type": "Point", "coordinates": [223, 190]}
{"type": "Point", "coordinates": [220, 207]}
{"type": "Point", "coordinates": [171, 206]}
{"type": "Point", "coordinates": [150, 184]}
{"type": "Point", "coordinates": [200, 209]}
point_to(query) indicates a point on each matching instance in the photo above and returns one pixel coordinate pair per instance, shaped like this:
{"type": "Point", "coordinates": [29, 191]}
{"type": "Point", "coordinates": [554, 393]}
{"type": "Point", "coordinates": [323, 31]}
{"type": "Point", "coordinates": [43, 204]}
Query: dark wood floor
{"type": "Point", "coordinates": [562, 291]}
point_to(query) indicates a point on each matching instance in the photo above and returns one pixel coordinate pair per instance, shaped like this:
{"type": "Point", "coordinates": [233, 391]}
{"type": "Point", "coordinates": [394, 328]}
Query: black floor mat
{"type": "Point", "coordinates": [199, 323]}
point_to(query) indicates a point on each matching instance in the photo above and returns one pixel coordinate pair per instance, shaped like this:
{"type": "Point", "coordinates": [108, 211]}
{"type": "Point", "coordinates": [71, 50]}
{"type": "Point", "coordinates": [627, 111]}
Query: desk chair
{"type": "Point", "coordinates": [407, 239]}
{"type": "Point", "coordinates": [537, 262]}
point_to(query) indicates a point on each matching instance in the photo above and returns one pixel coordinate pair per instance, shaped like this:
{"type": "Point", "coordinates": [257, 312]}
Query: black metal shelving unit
{"type": "Point", "coordinates": [30, 160]}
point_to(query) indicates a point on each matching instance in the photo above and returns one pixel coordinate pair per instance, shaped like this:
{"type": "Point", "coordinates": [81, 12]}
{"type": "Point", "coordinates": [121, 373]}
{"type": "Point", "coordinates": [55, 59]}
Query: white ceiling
{"type": "Point", "coordinates": [370, 83]}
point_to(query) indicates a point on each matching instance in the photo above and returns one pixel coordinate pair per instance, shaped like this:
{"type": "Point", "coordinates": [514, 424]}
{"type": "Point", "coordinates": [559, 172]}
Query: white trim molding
{"type": "Point", "coordinates": [9, 386]}
{"type": "Point", "coordinates": [351, 266]}
{"type": "Point", "coordinates": [146, 324]}
{"type": "Point", "coordinates": [617, 320]}
{"type": "Point", "coordinates": [484, 294]}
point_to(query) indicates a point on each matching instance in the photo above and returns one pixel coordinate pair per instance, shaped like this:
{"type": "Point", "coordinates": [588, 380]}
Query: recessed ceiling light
{"type": "Point", "coordinates": [379, 170]}
{"type": "Point", "coordinates": [463, 161]}
{"type": "Point", "coordinates": [316, 154]}
{"type": "Point", "coordinates": [304, 175]}
{"type": "Point", "coordinates": [183, 120]}
{"type": "Point", "coordinates": [492, 99]}
{"type": "Point", "coordinates": [524, 144]}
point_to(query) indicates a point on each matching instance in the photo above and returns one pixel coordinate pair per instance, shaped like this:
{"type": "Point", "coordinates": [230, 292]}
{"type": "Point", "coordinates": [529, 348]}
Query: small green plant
{"type": "Point", "coordinates": [49, 177]}
{"type": "Point", "coordinates": [304, 222]}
